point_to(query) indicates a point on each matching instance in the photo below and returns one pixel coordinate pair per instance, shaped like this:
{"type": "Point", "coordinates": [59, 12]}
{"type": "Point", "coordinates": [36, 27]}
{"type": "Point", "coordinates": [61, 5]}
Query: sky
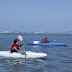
{"type": "Point", "coordinates": [36, 15]}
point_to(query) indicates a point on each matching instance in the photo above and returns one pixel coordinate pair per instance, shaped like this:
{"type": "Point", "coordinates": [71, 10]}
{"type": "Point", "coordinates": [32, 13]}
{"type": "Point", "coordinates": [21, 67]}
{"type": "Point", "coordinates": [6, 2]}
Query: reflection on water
{"type": "Point", "coordinates": [14, 65]}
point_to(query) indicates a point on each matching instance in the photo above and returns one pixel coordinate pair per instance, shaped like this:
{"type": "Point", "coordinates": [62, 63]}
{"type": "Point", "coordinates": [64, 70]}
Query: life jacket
{"type": "Point", "coordinates": [15, 46]}
{"type": "Point", "coordinates": [44, 41]}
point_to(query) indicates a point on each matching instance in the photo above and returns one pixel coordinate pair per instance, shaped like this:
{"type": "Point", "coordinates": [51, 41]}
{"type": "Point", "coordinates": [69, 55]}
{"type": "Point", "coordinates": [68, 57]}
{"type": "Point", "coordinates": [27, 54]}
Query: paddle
{"type": "Point", "coordinates": [21, 38]}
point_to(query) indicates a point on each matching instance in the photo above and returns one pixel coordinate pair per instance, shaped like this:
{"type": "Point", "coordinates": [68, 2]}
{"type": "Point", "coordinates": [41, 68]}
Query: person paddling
{"type": "Point", "coordinates": [15, 47]}
{"type": "Point", "coordinates": [45, 40]}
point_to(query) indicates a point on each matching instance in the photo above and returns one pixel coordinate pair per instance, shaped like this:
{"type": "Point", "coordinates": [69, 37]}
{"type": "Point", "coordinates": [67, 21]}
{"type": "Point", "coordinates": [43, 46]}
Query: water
{"type": "Point", "coordinates": [59, 58]}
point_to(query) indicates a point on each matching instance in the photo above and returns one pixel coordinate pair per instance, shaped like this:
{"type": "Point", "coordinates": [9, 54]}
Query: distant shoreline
{"type": "Point", "coordinates": [41, 32]}
{"type": "Point", "coordinates": [31, 33]}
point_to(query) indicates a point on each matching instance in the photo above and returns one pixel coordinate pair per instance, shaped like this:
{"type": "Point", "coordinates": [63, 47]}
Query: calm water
{"type": "Point", "coordinates": [59, 58]}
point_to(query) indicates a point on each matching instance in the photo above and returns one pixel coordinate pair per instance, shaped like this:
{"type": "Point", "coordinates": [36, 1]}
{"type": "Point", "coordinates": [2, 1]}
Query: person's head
{"type": "Point", "coordinates": [46, 38]}
{"type": "Point", "coordinates": [16, 41]}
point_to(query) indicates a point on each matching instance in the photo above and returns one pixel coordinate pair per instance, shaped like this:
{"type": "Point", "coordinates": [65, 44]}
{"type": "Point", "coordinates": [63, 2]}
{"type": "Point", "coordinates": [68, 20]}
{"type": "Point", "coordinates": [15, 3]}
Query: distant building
{"type": "Point", "coordinates": [37, 32]}
{"type": "Point", "coordinates": [42, 31]}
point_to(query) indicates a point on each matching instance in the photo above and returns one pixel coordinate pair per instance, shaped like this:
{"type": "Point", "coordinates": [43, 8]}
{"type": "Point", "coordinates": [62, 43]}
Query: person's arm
{"type": "Point", "coordinates": [18, 50]}
{"type": "Point", "coordinates": [21, 45]}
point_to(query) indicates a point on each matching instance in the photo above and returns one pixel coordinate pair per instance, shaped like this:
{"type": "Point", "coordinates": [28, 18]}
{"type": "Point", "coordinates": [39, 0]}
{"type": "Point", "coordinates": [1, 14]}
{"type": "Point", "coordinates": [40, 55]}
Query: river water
{"type": "Point", "coordinates": [59, 58]}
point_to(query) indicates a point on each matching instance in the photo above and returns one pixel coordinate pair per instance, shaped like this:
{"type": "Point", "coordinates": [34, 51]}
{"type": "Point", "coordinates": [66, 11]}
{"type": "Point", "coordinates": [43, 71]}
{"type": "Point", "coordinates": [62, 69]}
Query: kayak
{"type": "Point", "coordinates": [29, 54]}
{"type": "Point", "coordinates": [49, 44]}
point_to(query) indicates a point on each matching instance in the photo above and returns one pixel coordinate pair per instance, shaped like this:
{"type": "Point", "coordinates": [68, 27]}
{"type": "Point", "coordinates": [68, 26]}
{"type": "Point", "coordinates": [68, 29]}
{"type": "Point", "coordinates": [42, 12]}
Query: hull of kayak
{"type": "Point", "coordinates": [29, 54]}
{"type": "Point", "coordinates": [49, 44]}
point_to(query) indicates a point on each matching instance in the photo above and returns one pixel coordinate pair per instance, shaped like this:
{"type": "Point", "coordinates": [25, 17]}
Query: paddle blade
{"type": "Point", "coordinates": [20, 38]}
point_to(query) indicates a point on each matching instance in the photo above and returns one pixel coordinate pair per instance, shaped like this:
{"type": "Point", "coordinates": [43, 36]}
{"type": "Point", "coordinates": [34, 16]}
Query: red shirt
{"type": "Point", "coordinates": [45, 41]}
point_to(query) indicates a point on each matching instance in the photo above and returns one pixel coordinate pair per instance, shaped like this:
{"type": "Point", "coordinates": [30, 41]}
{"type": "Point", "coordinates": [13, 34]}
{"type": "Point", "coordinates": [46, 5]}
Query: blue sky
{"type": "Point", "coordinates": [36, 15]}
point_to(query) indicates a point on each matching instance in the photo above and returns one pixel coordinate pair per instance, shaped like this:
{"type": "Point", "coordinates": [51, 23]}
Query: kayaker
{"type": "Point", "coordinates": [15, 47]}
{"type": "Point", "coordinates": [45, 40]}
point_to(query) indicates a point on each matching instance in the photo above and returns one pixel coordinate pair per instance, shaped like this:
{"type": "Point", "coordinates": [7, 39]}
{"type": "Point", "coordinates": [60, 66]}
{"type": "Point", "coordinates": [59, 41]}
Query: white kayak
{"type": "Point", "coordinates": [29, 54]}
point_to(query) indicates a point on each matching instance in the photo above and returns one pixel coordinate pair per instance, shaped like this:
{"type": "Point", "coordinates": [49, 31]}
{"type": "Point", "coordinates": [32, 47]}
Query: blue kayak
{"type": "Point", "coordinates": [49, 44]}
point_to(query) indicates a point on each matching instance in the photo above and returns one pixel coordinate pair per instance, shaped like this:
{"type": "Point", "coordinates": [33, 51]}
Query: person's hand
{"type": "Point", "coordinates": [21, 43]}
